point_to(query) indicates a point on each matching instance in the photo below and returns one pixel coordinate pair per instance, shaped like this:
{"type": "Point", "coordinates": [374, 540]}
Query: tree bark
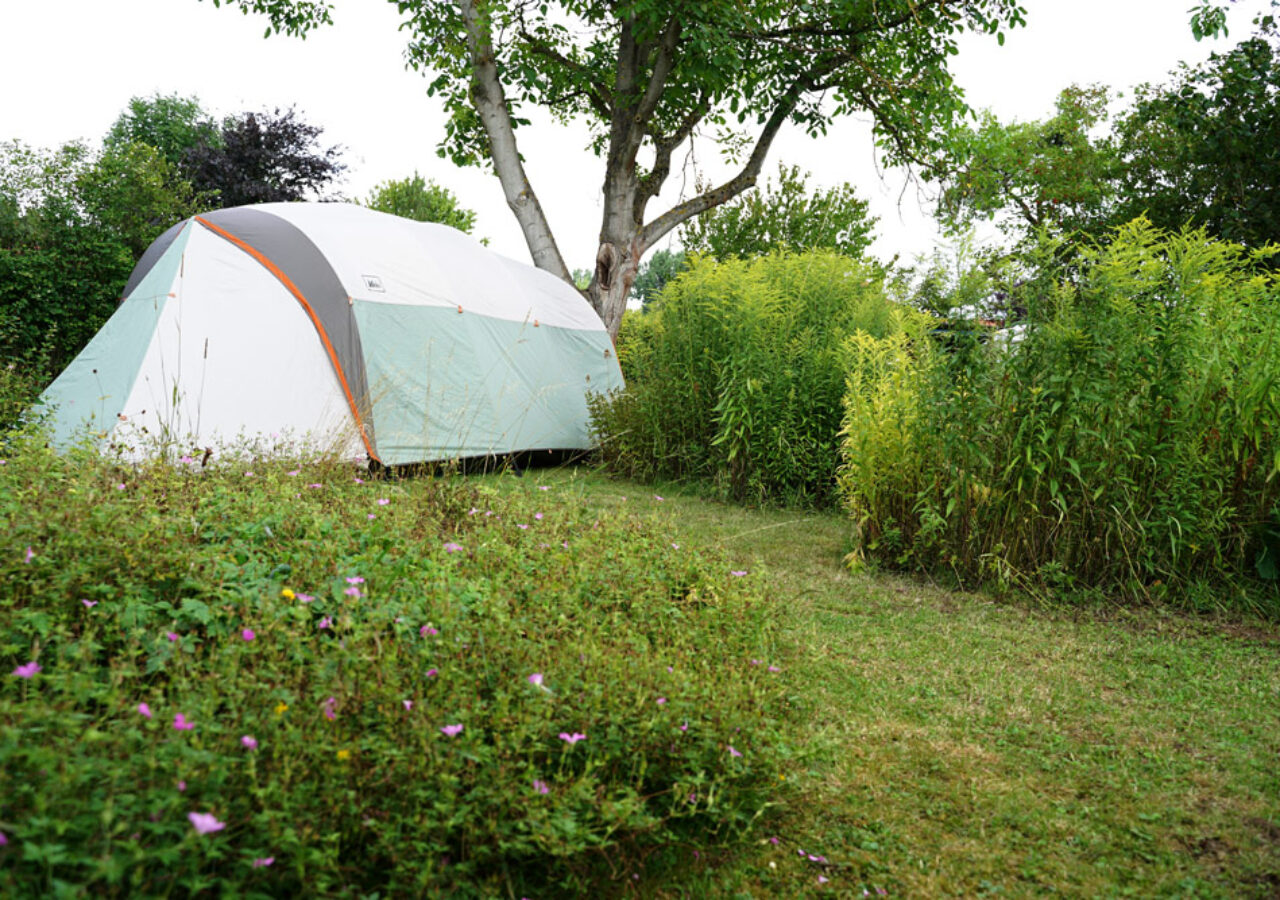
{"type": "Point", "coordinates": [490, 102]}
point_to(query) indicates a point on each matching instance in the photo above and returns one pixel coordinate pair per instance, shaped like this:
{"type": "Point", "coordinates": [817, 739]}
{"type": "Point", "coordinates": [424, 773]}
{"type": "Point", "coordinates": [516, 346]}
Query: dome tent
{"type": "Point", "coordinates": [340, 328]}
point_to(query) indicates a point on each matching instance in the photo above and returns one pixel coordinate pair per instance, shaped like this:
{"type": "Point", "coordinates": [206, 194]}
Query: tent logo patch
{"type": "Point", "coordinates": [374, 283]}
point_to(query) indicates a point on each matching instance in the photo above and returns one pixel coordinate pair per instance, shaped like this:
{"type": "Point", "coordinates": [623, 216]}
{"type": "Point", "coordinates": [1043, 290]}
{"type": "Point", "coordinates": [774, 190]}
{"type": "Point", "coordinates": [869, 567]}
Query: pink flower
{"type": "Point", "coordinates": [541, 787]}
{"type": "Point", "coordinates": [774, 840]}
{"type": "Point", "coordinates": [355, 579]}
{"type": "Point", "coordinates": [543, 487]}
{"type": "Point", "coordinates": [822, 879]}
{"type": "Point", "coordinates": [313, 486]}
{"type": "Point", "coordinates": [120, 487]}
{"type": "Point", "coordinates": [427, 631]}
{"type": "Point", "coordinates": [248, 634]}
{"type": "Point", "coordinates": [304, 598]}
{"type": "Point", "coordinates": [432, 673]}
{"type": "Point", "coordinates": [452, 547]}
{"type": "Point", "coordinates": [328, 708]}
{"type": "Point", "coordinates": [3, 840]}
{"type": "Point", "coordinates": [675, 546]}
{"type": "Point", "coordinates": [205, 823]}
{"type": "Point", "coordinates": [383, 501]}
{"type": "Point", "coordinates": [538, 516]}
{"type": "Point", "coordinates": [89, 604]}
{"type": "Point", "coordinates": [371, 516]}
{"type": "Point", "coordinates": [30, 553]}
{"type": "Point", "coordinates": [536, 679]}
{"type": "Point", "coordinates": [182, 786]}
{"type": "Point", "coordinates": [738, 573]}
{"type": "Point", "coordinates": [359, 481]}
{"type": "Point", "coordinates": [408, 705]}
{"type": "Point", "coordinates": [733, 752]}
{"type": "Point", "coordinates": [353, 591]}
{"type": "Point", "coordinates": [296, 472]}
{"type": "Point", "coordinates": [472, 511]}
{"type": "Point", "coordinates": [774, 669]}
{"type": "Point", "coordinates": [249, 742]}
{"type": "Point", "coordinates": [263, 861]}
{"type": "Point", "coordinates": [326, 622]}
{"type": "Point", "coordinates": [173, 636]}
{"type": "Point", "coordinates": [662, 700]}
{"type": "Point", "coordinates": [656, 497]}
{"type": "Point", "coordinates": [572, 739]}
{"type": "Point", "coordinates": [27, 671]}
{"type": "Point", "coordinates": [451, 730]}
{"type": "Point", "coordinates": [144, 710]}
{"type": "Point", "coordinates": [684, 726]}
{"type": "Point", "coordinates": [180, 723]}
{"type": "Point", "coordinates": [523, 527]}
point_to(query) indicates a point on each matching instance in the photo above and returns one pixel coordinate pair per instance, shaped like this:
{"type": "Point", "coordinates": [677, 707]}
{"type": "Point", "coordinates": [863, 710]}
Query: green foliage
{"type": "Point", "coordinates": [787, 215]}
{"type": "Point", "coordinates": [71, 226]}
{"type": "Point", "coordinates": [342, 625]}
{"type": "Point", "coordinates": [654, 273]}
{"type": "Point", "coordinates": [1205, 149]}
{"type": "Point", "coordinates": [1128, 443]}
{"type": "Point", "coordinates": [421, 200]}
{"type": "Point", "coordinates": [173, 125]}
{"type": "Point", "coordinates": [133, 194]}
{"type": "Point", "coordinates": [1200, 151]}
{"type": "Point", "coordinates": [1032, 175]}
{"type": "Point", "coordinates": [736, 378]}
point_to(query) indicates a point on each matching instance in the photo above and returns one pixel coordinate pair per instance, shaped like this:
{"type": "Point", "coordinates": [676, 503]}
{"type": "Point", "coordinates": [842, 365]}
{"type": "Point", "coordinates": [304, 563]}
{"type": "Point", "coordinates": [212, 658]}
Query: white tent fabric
{"type": "Point", "coordinates": [332, 327]}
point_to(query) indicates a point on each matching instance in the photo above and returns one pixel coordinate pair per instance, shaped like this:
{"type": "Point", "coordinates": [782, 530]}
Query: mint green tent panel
{"type": "Point", "coordinates": [471, 385]}
{"type": "Point", "coordinates": [537, 379]}
{"type": "Point", "coordinates": [91, 391]}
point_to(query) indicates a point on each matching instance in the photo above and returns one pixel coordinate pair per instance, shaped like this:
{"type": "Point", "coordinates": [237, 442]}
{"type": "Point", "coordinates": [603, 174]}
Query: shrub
{"type": "Point", "coordinates": [736, 378]}
{"type": "Point", "coordinates": [357, 660]}
{"type": "Point", "coordinates": [1128, 443]}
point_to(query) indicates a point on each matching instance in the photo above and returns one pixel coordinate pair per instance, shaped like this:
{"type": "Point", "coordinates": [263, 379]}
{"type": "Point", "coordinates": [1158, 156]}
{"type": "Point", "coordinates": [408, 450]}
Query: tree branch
{"type": "Point", "coordinates": [651, 233]}
{"type": "Point", "coordinates": [598, 93]}
{"type": "Point", "coordinates": [912, 12]}
{"type": "Point", "coordinates": [664, 147]}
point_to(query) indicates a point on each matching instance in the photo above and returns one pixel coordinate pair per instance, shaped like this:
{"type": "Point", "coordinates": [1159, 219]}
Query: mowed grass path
{"type": "Point", "coordinates": [963, 747]}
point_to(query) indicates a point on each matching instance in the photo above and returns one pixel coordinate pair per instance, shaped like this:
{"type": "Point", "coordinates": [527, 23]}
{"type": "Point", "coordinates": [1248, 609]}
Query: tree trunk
{"type": "Point", "coordinates": [617, 263]}
{"type": "Point", "coordinates": [490, 102]}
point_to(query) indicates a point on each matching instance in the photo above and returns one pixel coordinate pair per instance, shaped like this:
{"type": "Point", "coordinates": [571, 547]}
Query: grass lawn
{"type": "Point", "coordinates": [914, 741]}
{"type": "Point", "coordinates": [966, 747]}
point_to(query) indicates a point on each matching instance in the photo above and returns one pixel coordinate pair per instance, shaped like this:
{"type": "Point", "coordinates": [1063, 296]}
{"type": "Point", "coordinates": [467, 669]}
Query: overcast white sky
{"type": "Point", "coordinates": [69, 67]}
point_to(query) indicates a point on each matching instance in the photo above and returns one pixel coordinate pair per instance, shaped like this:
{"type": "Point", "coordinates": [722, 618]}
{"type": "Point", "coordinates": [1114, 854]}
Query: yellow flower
{"type": "Point", "coordinates": [344, 755]}
{"type": "Point", "coordinates": [287, 594]}
{"type": "Point", "coordinates": [281, 707]}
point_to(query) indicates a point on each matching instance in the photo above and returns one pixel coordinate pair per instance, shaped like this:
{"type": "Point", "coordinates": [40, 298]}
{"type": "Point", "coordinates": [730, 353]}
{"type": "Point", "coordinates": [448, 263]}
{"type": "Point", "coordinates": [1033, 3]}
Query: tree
{"type": "Point", "coordinates": [263, 157]}
{"type": "Point", "coordinates": [423, 201]}
{"type": "Point", "coordinates": [171, 124]}
{"type": "Point", "coordinates": [655, 272]}
{"type": "Point", "coordinates": [1029, 175]}
{"type": "Point", "coordinates": [787, 215]}
{"type": "Point", "coordinates": [72, 224]}
{"type": "Point", "coordinates": [647, 74]}
{"type": "Point", "coordinates": [1205, 149]}
{"type": "Point", "coordinates": [132, 192]}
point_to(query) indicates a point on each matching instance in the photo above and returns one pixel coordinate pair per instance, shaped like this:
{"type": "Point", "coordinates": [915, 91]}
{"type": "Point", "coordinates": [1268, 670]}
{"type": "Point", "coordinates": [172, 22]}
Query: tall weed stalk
{"type": "Point", "coordinates": [1128, 443]}
{"type": "Point", "coordinates": [737, 378]}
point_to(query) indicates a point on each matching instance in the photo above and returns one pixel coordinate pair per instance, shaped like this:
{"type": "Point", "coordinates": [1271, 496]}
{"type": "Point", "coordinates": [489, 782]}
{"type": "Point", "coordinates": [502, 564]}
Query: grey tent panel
{"type": "Point", "coordinates": [151, 256]}
{"type": "Point", "coordinates": [292, 252]}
